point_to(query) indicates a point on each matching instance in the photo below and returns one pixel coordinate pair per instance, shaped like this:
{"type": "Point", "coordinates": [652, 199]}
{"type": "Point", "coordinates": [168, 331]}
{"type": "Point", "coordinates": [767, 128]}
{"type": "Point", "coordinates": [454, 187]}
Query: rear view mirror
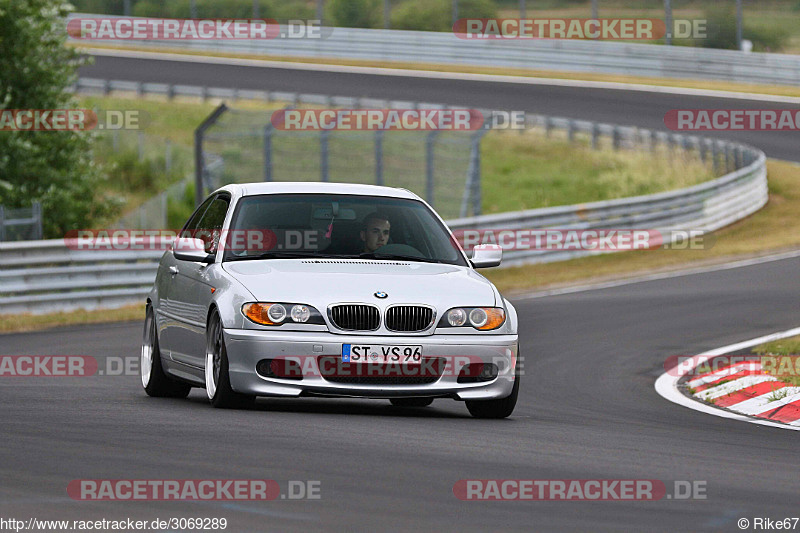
{"type": "Point", "coordinates": [486, 255]}
{"type": "Point", "coordinates": [187, 249]}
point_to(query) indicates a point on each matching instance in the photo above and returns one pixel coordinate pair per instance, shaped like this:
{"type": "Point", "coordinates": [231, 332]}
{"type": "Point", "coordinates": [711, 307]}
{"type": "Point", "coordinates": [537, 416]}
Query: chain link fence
{"type": "Point", "coordinates": [21, 224]}
{"type": "Point", "coordinates": [242, 146]}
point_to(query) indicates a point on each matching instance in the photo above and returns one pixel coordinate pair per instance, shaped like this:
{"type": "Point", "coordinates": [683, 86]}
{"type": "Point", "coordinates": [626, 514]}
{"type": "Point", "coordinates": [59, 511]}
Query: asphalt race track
{"type": "Point", "coordinates": [587, 410]}
{"type": "Point", "coordinates": [587, 407]}
{"type": "Point", "coordinates": [613, 106]}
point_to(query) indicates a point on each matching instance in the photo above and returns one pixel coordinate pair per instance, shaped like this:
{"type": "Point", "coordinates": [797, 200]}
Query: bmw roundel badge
{"type": "Point", "coordinates": [381, 295]}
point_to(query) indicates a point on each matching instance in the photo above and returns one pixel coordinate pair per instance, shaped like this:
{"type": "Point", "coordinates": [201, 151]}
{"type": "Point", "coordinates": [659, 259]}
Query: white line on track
{"type": "Point", "coordinates": [667, 384]}
{"type": "Point", "coordinates": [659, 276]}
{"type": "Point", "coordinates": [432, 74]}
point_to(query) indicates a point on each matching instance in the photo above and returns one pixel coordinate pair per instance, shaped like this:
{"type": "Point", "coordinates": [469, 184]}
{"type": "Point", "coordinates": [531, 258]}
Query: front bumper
{"type": "Point", "coordinates": [245, 348]}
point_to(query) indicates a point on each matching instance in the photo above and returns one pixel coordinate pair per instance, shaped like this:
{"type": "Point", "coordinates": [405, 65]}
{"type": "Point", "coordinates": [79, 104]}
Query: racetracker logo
{"type": "Point", "coordinates": [599, 240]}
{"type": "Point", "coordinates": [378, 119]}
{"type": "Point", "coordinates": [173, 489]}
{"type": "Point", "coordinates": [571, 28]}
{"type": "Point", "coordinates": [725, 366]}
{"type": "Point", "coordinates": [126, 28]}
{"type": "Point", "coordinates": [732, 119]}
{"type": "Point", "coordinates": [47, 119]}
{"type": "Point", "coordinates": [576, 490]}
{"type": "Point", "coordinates": [47, 365]}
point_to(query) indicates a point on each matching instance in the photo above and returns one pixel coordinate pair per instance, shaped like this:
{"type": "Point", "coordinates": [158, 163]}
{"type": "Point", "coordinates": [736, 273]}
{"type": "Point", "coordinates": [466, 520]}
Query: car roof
{"type": "Point", "coordinates": [299, 187]}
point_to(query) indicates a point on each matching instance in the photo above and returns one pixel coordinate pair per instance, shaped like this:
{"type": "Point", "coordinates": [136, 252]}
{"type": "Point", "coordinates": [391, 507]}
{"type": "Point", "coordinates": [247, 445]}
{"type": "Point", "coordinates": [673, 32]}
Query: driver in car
{"type": "Point", "coordinates": [376, 232]}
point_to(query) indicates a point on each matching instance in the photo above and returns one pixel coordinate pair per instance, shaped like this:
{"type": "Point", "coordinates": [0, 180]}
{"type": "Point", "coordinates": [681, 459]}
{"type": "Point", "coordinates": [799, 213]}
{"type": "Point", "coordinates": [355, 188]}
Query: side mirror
{"type": "Point", "coordinates": [486, 255]}
{"type": "Point", "coordinates": [186, 249]}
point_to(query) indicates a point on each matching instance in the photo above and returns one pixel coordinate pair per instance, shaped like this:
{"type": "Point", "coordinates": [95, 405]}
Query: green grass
{"type": "Point", "coordinates": [783, 347]}
{"type": "Point", "coordinates": [530, 170]}
{"type": "Point", "coordinates": [775, 227]}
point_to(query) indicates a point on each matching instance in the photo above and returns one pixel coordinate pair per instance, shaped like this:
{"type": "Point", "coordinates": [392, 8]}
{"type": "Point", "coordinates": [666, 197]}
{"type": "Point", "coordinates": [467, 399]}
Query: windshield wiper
{"type": "Point", "coordinates": [397, 257]}
{"type": "Point", "coordinates": [278, 255]}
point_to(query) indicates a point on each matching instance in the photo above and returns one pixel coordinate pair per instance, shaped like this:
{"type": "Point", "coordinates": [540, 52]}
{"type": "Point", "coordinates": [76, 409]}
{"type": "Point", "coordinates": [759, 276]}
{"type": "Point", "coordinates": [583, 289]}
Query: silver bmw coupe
{"type": "Point", "coordinates": [329, 290]}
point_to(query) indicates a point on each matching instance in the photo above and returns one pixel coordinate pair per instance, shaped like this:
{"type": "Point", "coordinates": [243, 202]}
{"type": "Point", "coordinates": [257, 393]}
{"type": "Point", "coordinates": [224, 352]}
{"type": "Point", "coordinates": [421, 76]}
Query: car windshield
{"type": "Point", "coordinates": [285, 226]}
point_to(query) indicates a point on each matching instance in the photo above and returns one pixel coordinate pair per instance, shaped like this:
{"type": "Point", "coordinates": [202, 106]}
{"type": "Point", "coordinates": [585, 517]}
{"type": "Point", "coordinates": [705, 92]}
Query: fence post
{"type": "Point", "coordinates": [379, 157]}
{"type": "Point", "coordinates": [140, 143]}
{"type": "Point", "coordinates": [2, 223]}
{"type": "Point", "coordinates": [268, 152]}
{"type": "Point", "coordinates": [37, 215]}
{"type": "Point", "coordinates": [715, 156]}
{"type": "Point", "coordinates": [475, 162]}
{"type": "Point", "coordinates": [430, 141]}
{"type": "Point", "coordinates": [323, 154]}
{"type": "Point", "coordinates": [168, 155]}
{"type": "Point", "coordinates": [199, 165]}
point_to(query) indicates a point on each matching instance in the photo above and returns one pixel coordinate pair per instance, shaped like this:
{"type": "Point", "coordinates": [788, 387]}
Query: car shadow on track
{"type": "Point", "coordinates": [337, 406]}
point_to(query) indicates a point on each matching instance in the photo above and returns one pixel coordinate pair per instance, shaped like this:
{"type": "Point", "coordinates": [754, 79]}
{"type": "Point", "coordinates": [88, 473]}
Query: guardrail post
{"type": "Point", "coordinates": [739, 157]}
{"type": "Point", "coordinates": [323, 154]}
{"type": "Point", "coordinates": [140, 145]}
{"type": "Point", "coordinates": [115, 140]}
{"type": "Point", "coordinates": [139, 89]}
{"type": "Point", "coordinates": [170, 91]}
{"type": "Point", "coordinates": [703, 148]}
{"type": "Point", "coordinates": [2, 223]}
{"type": "Point", "coordinates": [615, 137]}
{"type": "Point", "coordinates": [430, 141]}
{"type": "Point", "coordinates": [379, 157]}
{"type": "Point", "coordinates": [715, 156]}
{"type": "Point", "coordinates": [571, 130]}
{"type": "Point", "coordinates": [106, 87]}
{"type": "Point", "coordinates": [268, 130]}
{"type": "Point", "coordinates": [547, 126]}
{"type": "Point", "coordinates": [595, 135]}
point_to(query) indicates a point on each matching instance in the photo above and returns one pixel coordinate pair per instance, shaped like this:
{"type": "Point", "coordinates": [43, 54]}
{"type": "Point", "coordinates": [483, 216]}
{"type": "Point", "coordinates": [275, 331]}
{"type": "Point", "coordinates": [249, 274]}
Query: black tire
{"type": "Point", "coordinates": [499, 408]}
{"type": "Point", "coordinates": [223, 396]}
{"type": "Point", "coordinates": [411, 402]}
{"type": "Point", "coordinates": [157, 383]}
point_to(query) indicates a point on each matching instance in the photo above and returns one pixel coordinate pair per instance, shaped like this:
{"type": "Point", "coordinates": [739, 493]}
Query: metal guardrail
{"type": "Point", "coordinates": [539, 54]}
{"type": "Point", "coordinates": [38, 276]}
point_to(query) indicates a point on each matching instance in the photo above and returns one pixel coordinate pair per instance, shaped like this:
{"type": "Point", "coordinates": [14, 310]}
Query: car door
{"type": "Point", "coordinates": [189, 291]}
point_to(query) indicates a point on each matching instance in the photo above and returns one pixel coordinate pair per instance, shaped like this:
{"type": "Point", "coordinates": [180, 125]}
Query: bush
{"type": "Point", "coordinates": [437, 15]}
{"type": "Point", "coordinates": [722, 32]}
{"type": "Point", "coordinates": [354, 13]}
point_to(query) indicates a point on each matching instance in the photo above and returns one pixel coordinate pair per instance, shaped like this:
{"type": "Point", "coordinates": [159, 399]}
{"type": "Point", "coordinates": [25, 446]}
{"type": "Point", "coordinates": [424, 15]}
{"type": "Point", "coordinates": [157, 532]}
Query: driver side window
{"type": "Point", "coordinates": [209, 228]}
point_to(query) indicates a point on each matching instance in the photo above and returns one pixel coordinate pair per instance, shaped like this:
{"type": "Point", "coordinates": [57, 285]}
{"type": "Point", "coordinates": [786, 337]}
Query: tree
{"type": "Point", "coordinates": [53, 167]}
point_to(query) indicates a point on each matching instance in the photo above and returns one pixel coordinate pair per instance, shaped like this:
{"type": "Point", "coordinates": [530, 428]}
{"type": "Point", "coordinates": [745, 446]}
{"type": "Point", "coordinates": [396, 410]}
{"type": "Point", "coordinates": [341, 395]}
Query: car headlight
{"type": "Point", "coordinates": [275, 314]}
{"type": "Point", "coordinates": [481, 318]}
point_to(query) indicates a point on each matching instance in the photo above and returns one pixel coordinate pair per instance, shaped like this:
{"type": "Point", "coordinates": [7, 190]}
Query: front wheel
{"type": "Point", "coordinates": [500, 408]}
{"type": "Point", "coordinates": [218, 383]}
{"type": "Point", "coordinates": [154, 380]}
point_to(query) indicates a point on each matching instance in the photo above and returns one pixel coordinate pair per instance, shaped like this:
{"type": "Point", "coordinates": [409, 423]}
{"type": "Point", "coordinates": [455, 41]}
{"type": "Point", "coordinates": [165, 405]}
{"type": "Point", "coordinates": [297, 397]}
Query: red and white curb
{"type": "Point", "coordinates": [741, 391]}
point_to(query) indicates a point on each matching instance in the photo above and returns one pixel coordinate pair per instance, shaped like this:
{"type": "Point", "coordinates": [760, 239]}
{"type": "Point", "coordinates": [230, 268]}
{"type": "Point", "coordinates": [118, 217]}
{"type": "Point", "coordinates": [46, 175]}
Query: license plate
{"type": "Point", "coordinates": [381, 353]}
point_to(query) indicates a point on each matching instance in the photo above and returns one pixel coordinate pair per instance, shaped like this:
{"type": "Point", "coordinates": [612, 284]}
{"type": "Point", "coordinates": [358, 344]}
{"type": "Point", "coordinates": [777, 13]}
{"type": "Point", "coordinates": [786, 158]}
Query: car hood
{"type": "Point", "coordinates": [321, 282]}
